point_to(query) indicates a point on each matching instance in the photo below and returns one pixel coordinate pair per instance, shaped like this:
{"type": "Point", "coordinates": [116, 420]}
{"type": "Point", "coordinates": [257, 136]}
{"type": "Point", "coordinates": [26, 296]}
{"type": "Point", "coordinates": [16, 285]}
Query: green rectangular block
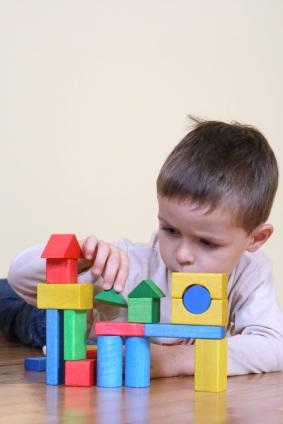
{"type": "Point", "coordinates": [145, 310]}
{"type": "Point", "coordinates": [75, 329]}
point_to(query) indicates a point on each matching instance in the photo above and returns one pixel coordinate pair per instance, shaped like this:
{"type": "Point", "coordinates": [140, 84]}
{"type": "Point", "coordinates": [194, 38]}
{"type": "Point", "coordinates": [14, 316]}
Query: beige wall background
{"type": "Point", "coordinates": [95, 94]}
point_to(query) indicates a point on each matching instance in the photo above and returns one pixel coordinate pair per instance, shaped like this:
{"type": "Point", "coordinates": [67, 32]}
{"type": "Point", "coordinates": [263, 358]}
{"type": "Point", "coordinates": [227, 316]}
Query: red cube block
{"type": "Point", "coordinates": [61, 271]}
{"type": "Point", "coordinates": [80, 373]}
{"type": "Point", "coordinates": [91, 353]}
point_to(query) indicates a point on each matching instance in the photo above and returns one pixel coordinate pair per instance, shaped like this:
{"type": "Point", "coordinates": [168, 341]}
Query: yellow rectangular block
{"type": "Point", "coordinates": [216, 314]}
{"type": "Point", "coordinates": [91, 347]}
{"type": "Point", "coordinates": [210, 365]}
{"type": "Point", "coordinates": [65, 296]}
{"type": "Point", "coordinates": [216, 283]}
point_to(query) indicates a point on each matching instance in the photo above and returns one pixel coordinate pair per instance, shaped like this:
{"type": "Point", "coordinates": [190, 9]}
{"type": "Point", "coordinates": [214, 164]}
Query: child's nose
{"type": "Point", "coordinates": [185, 254]}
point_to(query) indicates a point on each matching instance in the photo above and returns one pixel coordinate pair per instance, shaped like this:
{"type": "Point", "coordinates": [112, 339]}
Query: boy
{"type": "Point", "coordinates": [215, 193]}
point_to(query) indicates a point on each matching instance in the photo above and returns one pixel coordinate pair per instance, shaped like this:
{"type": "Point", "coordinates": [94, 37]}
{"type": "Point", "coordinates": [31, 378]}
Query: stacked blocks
{"type": "Point", "coordinates": [199, 311]}
{"type": "Point", "coordinates": [66, 303]}
{"type": "Point", "coordinates": [211, 292]}
{"type": "Point", "coordinates": [143, 307]}
{"type": "Point", "coordinates": [202, 299]}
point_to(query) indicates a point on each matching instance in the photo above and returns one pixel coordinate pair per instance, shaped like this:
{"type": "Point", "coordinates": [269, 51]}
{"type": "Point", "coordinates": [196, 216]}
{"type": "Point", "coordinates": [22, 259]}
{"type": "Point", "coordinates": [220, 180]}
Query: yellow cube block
{"type": "Point", "coordinates": [65, 296]}
{"type": "Point", "coordinates": [216, 314]}
{"type": "Point", "coordinates": [216, 283]}
{"type": "Point", "coordinates": [211, 365]}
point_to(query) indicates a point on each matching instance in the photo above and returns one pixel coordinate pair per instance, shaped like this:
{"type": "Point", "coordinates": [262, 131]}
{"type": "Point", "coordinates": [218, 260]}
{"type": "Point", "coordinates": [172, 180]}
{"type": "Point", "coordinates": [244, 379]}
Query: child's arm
{"type": "Point", "coordinates": [171, 361]}
{"type": "Point", "coordinates": [256, 342]}
{"type": "Point", "coordinates": [26, 270]}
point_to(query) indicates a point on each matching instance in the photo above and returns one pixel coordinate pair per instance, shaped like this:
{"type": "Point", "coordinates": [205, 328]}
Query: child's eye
{"type": "Point", "coordinates": [208, 244]}
{"type": "Point", "coordinates": [170, 231]}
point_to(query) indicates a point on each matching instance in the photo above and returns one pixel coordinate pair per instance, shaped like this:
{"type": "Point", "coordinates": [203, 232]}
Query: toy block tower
{"type": "Point", "coordinates": [66, 303]}
{"type": "Point", "coordinates": [201, 299]}
{"type": "Point", "coordinates": [199, 311]}
{"type": "Point", "coordinates": [143, 306]}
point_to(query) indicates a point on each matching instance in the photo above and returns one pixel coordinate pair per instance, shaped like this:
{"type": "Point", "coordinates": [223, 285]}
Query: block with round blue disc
{"type": "Point", "coordinates": [196, 299]}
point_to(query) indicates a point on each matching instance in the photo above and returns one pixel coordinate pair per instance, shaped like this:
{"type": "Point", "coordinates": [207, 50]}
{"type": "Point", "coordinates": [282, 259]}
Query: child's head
{"type": "Point", "coordinates": [218, 171]}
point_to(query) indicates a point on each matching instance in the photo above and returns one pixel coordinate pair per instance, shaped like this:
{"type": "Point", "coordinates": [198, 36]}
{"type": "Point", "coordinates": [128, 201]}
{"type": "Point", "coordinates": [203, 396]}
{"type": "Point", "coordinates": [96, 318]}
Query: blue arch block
{"type": "Point", "coordinates": [196, 299]}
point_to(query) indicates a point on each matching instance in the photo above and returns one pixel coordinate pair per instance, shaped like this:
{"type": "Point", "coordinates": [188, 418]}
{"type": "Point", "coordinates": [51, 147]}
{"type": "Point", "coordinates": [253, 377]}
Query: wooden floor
{"type": "Point", "coordinates": [24, 398]}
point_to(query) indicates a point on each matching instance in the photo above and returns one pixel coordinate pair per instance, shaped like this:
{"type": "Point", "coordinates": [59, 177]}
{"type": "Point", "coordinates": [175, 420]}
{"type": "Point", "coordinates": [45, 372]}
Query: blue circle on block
{"type": "Point", "coordinates": [196, 299]}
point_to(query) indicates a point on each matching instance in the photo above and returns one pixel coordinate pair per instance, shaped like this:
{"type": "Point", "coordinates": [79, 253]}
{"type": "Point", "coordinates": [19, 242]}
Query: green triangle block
{"type": "Point", "coordinates": [111, 297]}
{"type": "Point", "coordinates": [147, 288]}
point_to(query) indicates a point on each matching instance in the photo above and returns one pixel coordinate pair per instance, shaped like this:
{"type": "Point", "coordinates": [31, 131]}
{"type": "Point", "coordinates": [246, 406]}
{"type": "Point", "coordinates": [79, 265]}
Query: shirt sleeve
{"type": "Point", "coordinates": [256, 341]}
{"type": "Point", "coordinates": [28, 269]}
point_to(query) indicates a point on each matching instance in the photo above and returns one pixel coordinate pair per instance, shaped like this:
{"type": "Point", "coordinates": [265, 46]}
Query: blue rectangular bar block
{"type": "Point", "coordinates": [35, 364]}
{"type": "Point", "coordinates": [185, 331]}
{"type": "Point", "coordinates": [54, 347]}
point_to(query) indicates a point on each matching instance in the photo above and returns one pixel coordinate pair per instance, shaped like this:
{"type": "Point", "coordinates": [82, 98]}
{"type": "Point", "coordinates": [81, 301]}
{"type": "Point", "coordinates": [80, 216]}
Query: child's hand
{"type": "Point", "coordinates": [171, 361]}
{"type": "Point", "coordinates": [105, 260]}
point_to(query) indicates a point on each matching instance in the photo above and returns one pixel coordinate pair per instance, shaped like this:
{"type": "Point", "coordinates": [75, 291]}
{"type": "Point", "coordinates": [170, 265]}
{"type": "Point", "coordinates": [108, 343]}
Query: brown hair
{"type": "Point", "coordinates": [218, 162]}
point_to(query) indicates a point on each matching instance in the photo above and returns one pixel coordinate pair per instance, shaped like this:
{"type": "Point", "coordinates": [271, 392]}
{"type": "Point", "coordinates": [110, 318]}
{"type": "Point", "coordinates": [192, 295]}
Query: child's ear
{"type": "Point", "coordinates": [259, 236]}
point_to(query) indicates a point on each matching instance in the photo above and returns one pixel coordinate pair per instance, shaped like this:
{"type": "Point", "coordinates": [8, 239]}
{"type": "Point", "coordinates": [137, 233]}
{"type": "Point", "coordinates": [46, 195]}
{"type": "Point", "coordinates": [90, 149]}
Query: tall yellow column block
{"type": "Point", "coordinates": [210, 365]}
{"type": "Point", "coordinates": [65, 296]}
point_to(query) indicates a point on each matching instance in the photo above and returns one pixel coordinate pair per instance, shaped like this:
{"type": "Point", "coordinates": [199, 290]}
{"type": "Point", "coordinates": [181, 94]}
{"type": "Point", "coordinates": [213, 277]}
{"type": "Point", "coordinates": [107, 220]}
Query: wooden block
{"type": "Point", "coordinates": [143, 310]}
{"type": "Point", "coordinates": [216, 283]}
{"type": "Point", "coordinates": [211, 365]}
{"type": "Point", "coordinates": [118, 329]}
{"type": "Point", "coordinates": [75, 328]}
{"type": "Point", "coordinates": [217, 405]}
{"type": "Point", "coordinates": [64, 296]}
{"type": "Point", "coordinates": [137, 362]}
{"type": "Point", "coordinates": [61, 271]}
{"type": "Point", "coordinates": [54, 347]}
{"type": "Point", "coordinates": [111, 297]}
{"type": "Point", "coordinates": [184, 331]}
{"type": "Point", "coordinates": [217, 314]}
{"type": "Point", "coordinates": [147, 288]}
{"type": "Point", "coordinates": [80, 373]}
{"type": "Point", "coordinates": [109, 361]}
{"type": "Point", "coordinates": [196, 299]}
{"type": "Point", "coordinates": [91, 346]}
{"type": "Point", "coordinates": [91, 354]}
{"type": "Point", "coordinates": [62, 246]}
{"type": "Point", "coordinates": [35, 364]}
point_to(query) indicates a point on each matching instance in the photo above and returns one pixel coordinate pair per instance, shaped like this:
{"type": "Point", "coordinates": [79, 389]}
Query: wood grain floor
{"type": "Point", "coordinates": [24, 398]}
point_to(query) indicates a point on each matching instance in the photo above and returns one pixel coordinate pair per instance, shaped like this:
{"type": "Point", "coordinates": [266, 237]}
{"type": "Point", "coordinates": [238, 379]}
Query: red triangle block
{"type": "Point", "coordinates": [62, 246]}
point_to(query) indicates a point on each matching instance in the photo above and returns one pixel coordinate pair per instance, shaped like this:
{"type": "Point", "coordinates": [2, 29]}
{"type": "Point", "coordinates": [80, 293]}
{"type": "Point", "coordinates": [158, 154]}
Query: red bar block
{"type": "Point", "coordinates": [80, 373]}
{"type": "Point", "coordinates": [108, 328]}
{"type": "Point", "coordinates": [91, 353]}
{"type": "Point", "coordinates": [61, 271]}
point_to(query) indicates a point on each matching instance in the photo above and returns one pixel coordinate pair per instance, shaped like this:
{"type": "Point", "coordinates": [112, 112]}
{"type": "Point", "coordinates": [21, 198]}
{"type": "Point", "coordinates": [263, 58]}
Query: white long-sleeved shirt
{"type": "Point", "coordinates": [255, 341]}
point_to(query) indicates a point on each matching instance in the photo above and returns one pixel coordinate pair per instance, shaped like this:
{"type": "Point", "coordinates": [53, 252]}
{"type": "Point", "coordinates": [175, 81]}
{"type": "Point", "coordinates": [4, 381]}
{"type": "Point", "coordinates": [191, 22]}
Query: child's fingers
{"type": "Point", "coordinates": [123, 272]}
{"type": "Point", "coordinates": [89, 247]}
{"type": "Point", "coordinates": [107, 261]}
{"type": "Point", "coordinates": [111, 268]}
{"type": "Point", "coordinates": [102, 253]}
